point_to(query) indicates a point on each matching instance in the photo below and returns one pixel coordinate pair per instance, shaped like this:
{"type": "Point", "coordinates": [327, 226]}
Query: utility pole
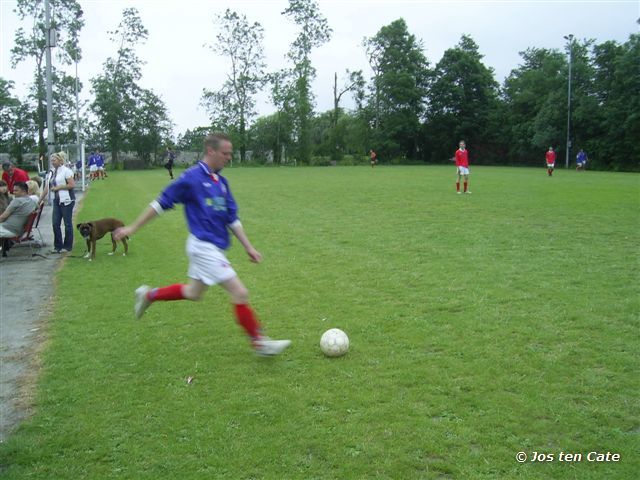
{"type": "Point", "coordinates": [79, 147]}
{"type": "Point", "coordinates": [51, 42]}
{"type": "Point", "coordinates": [569, 38]}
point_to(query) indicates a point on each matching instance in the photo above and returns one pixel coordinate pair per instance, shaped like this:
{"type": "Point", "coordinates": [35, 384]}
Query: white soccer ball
{"type": "Point", "coordinates": [334, 343]}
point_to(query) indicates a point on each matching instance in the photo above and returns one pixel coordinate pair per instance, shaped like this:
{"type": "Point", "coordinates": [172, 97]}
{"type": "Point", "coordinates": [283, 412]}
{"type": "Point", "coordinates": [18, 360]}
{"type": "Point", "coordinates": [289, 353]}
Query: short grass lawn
{"type": "Point", "coordinates": [481, 326]}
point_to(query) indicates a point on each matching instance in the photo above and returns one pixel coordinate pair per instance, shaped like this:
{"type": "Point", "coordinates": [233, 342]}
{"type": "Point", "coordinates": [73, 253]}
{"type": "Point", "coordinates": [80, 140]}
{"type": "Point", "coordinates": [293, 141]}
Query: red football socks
{"type": "Point", "coordinates": [457, 186]}
{"type": "Point", "coordinates": [247, 319]}
{"type": "Point", "coordinates": [172, 292]}
{"type": "Point", "coordinates": [465, 187]}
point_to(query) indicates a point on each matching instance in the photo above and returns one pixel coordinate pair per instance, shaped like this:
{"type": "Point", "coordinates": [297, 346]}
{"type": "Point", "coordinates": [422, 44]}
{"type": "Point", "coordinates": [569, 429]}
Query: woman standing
{"type": "Point", "coordinates": [60, 182]}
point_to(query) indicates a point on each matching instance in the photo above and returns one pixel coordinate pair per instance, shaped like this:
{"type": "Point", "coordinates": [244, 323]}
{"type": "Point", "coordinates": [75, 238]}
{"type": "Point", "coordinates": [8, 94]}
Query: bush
{"type": "Point", "coordinates": [352, 160]}
{"type": "Point", "coordinates": [320, 161]}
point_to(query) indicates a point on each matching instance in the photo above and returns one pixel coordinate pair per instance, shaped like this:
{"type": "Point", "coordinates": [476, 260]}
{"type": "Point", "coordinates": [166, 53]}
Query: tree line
{"type": "Point", "coordinates": [407, 109]}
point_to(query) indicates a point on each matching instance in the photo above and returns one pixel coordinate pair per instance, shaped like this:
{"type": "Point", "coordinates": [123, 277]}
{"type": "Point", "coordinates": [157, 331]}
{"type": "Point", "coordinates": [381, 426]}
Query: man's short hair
{"type": "Point", "coordinates": [22, 186]}
{"type": "Point", "coordinates": [214, 139]}
{"type": "Point", "coordinates": [6, 166]}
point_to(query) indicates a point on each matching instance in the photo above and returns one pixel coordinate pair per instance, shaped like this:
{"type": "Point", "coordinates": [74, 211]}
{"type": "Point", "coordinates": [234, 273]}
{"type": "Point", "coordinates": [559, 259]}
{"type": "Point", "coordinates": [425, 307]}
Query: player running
{"type": "Point", "coordinates": [101, 173]}
{"type": "Point", "coordinates": [92, 163]}
{"type": "Point", "coordinates": [211, 212]}
{"type": "Point", "coordinates": [581, 160]}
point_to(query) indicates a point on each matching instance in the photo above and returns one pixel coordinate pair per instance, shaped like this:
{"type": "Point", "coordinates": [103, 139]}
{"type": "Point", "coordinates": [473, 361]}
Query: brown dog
{"type": "Point", "coordinates": [95, 230]}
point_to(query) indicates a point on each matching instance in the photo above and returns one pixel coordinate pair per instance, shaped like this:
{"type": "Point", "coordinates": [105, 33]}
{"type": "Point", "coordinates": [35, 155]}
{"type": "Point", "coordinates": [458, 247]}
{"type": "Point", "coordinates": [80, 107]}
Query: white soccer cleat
{"type": "Point", "coordinates": [468, 192]}
{"type": "Point", "coordinates": [142, 303]}
{"type": "Point", "coordinates": [266, 347]}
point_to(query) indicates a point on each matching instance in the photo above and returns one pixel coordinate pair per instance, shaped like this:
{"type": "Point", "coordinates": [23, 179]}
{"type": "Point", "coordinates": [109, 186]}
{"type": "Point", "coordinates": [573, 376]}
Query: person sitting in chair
{"type": "Point", "coordinates": [15, 216]}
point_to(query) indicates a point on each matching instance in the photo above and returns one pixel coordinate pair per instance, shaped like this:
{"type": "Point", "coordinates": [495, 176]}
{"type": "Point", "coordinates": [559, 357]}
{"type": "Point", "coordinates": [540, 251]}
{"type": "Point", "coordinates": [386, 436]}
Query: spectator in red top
{"type": "Point", "coordinates": [462, 167]}
{"type": "Point", "coordinates": [11, 175]}
{"type": "Point", "coordinates": [551, 161]}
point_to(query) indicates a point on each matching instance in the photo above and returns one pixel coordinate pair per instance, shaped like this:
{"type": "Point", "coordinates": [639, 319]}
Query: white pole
{"type": "Point", "coordinates": [83, 173]}
{"type": "Point", "coordinates": [570, 38]}
{"type": "Point", "coordinates": [50, 33]}
{"type": "Point", "coordinates": [80, 147]}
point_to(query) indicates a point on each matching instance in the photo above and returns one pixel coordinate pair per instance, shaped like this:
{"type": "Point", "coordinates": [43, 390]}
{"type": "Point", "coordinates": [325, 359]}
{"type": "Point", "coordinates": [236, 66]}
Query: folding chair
{"type": "Point", "coordinates": [35, 226]}
{"type": "Point", "coordinates": [25, 236]}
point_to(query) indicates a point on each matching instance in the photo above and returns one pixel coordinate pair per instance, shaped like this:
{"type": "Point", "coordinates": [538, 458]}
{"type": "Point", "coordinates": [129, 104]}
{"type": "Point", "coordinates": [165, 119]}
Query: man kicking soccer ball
{"type": "Point", "coordinates": [210, 211]}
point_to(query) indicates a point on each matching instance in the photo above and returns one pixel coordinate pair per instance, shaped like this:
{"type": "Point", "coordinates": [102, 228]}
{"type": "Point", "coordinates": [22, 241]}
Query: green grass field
{"type": "Point", "coordinates": [481, 326]}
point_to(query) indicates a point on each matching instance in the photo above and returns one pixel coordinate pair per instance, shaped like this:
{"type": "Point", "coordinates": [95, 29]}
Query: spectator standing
{"type": "Point", "coordinates": [60, 183]}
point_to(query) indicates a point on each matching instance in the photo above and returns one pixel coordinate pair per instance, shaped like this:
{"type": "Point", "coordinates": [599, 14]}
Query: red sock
{"type": "Point", "coordinates": [172, 292]}
{"type": "Point", "coordinates": [465, 186]}
{"type": "Point", "coordinates": [247, 319]}
{"type": "Point", "coordinates": [457, 186]}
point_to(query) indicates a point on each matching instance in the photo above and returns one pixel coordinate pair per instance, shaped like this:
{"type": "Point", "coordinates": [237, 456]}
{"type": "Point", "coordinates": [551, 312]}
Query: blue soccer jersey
{"type": "Point", "coordinates": [209, 206]}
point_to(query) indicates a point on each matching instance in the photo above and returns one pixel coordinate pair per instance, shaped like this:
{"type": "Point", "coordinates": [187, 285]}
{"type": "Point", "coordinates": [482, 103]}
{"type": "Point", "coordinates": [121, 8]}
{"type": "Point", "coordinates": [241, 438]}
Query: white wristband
{"type": "Point", "coordinates": [157, 207]}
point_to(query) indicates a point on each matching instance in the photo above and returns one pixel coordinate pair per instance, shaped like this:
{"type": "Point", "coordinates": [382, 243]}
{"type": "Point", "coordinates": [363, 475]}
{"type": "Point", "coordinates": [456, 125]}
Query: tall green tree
{"type": "Point", "coordinates": [535, 97]}
{"type": "Point", "coordinates": [17, 123]}
{"type": "Point", "coordinates": [355, 84]}
{"type": "Point", "coordinates": [8, 110]}
{"type": "Point", "coordinates": [314, 31]}
{"type": "Point", "coordinates": [283, 98]}
{"type": "Point", "coordinates": [234, 105]}
{"type": "Point", "coordinates": [64, 107]}
{"type": "Point", "coordinates": [150, 127]}
{"type": "Point", "coordinates": [616, 86]}
{"type": "Point", "coordinates": [192, 139]}
{"type": "Point", "coordinates": [264, 138]}
{"type": "Point", "coordinates": [399, 89]}
{"type": "Point", "coordinates": [67, 21]}
{"type": "Point", "coordinates": [463, 97]}
{"type": "Point", "coordinates": [115, 91]}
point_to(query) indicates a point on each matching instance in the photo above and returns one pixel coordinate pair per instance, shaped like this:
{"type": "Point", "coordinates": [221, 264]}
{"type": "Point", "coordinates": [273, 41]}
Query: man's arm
{"type": "Point", "coordinates": [148, 214]}
{"type": "Point", "coordinates": [238, 231]}
{"type": "Point", "coordinates": [7, 213]}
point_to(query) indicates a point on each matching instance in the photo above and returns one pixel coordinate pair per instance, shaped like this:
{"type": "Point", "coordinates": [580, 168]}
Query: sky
{"type": "Point", "coordinates": [180, 63]}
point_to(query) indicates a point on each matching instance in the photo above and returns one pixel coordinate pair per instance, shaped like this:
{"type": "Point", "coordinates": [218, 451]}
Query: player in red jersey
{"type": "Point", "coordinates": [462, 167]}
{"type": "Point", "coordinates": [551, 161]}
{"type": "Point", "coordinates": [374, 158]}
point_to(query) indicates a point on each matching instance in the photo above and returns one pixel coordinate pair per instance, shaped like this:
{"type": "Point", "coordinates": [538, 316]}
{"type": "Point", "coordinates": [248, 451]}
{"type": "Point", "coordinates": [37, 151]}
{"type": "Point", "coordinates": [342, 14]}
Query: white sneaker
{"type": "Point", "coordinates": [141, 300]}
{"type": "Point", "coordinates": [266, 347]}
{"type": "Point", "coordinates": [468, 192]}
{"type": "Point", "coordinates": [459, 193]}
